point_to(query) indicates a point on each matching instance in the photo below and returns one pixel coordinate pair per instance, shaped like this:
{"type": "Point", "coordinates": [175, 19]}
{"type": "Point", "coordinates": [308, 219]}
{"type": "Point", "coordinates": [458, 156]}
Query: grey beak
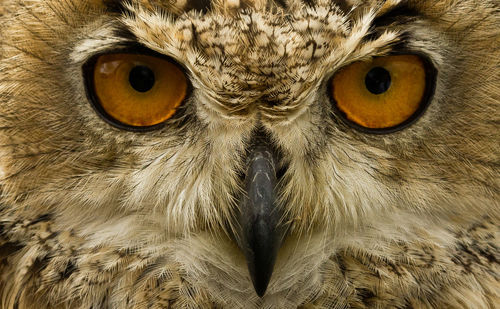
{"type": "Point", "coordinates": [261, 235]}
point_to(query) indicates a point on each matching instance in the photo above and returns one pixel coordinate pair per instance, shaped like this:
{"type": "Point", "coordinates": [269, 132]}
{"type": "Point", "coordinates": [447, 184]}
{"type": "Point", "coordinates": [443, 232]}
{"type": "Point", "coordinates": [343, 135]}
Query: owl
{"type": "Point", "coordinates": [249, 154]}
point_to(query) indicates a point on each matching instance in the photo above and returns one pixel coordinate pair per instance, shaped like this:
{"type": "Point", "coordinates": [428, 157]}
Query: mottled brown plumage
{"type": "Point", "coordinates": [92, 216]}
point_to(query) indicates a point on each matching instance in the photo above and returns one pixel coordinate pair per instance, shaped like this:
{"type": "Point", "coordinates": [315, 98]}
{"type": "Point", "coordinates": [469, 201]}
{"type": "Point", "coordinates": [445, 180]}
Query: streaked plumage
{"type": "Point", "coordinates": [97, 217]}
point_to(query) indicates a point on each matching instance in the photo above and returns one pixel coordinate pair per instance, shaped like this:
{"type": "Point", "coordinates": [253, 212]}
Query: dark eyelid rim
{"type": "Point", "coordinates": [430, 88]}
{"type": "Point", "coordinates": [114, 6]}
{"type": "Point", "coordinates": [128, 36]}
{"type": "Point", "coordinates": [401, 14]}
{"type": "Point", "coordinates": [132, 49]}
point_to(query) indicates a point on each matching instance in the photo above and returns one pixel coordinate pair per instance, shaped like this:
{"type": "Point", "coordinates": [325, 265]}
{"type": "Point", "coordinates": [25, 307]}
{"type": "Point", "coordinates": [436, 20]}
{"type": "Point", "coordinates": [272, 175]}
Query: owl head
{"type": "Point", "coordinates": [229, 135]}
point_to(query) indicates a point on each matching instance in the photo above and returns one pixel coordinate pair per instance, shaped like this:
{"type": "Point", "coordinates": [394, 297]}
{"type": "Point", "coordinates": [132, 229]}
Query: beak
{"type": "Point", "coordinates": [260, 235]}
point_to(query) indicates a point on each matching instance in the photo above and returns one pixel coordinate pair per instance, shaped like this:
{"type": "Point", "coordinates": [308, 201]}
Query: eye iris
{"type": "Point", "coordinates": [141, 78]}
{"type": "Point", "coordinates": [378, 80]}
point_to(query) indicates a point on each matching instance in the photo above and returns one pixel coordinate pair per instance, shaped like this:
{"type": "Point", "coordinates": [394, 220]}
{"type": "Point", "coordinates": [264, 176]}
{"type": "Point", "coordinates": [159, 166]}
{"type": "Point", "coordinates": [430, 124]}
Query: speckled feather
{"type": "Point", "coordinates": [95, 217]}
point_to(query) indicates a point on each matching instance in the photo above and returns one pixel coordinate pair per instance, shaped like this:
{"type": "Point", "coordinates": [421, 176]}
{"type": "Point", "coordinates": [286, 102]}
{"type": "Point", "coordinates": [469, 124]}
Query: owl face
{"type": "Point", "coordinates": [295, 114]}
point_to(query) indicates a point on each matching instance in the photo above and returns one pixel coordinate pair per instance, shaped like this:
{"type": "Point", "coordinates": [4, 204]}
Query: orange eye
{"type": "Point", "coordinates": [385, 93]}
{"type": "Point", "coordinates": [137, 91]}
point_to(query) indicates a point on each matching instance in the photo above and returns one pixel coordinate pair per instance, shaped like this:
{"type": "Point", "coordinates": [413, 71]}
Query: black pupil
{"type": "Point", "coordinates": [141, 78]}
{"type": "Point", "coordinates": [378, 80]}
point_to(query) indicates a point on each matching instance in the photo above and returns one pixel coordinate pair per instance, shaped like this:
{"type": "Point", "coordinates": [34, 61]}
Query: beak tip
{"type": "Point", "coordinates": [260, 283]}
{"type": "Point", "coordinates": [260, 289]}
{"type": "Point", "coordinates": [262, 258]}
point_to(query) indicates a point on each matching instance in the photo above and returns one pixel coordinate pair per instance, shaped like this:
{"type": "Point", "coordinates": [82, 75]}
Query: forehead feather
{"type": "Point", "coordinates": [228, 7]}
